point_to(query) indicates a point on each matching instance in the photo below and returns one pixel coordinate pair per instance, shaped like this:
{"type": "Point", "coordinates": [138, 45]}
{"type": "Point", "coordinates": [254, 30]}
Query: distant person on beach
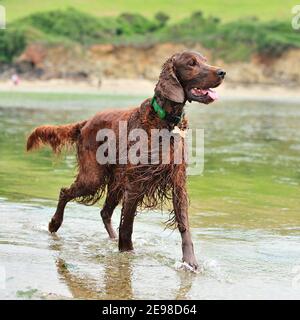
{"type": "Point", "coordinates": [15, 79]}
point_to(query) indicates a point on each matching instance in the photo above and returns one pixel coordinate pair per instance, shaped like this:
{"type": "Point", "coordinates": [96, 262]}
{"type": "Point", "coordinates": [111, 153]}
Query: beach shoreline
{"type": "Point", "coordinates": [143, 87]}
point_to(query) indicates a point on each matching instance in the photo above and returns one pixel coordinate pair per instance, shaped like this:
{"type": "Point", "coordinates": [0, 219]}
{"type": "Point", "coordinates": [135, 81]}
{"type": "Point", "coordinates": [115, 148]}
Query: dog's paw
{"type": "Point", "coordinates": [184, 266]}
{"type": "Point", "coordinates": [54, 225]}
{"type": "Point", "coordinates": [115, 239]}
{"type": "Point", "coordinates": [190, 263]}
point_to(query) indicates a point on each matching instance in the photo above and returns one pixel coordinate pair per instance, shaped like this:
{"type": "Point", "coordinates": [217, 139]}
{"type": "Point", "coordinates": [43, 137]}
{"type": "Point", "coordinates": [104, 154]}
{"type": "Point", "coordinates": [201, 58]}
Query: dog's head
{"type": "Point", "coordinates": [187, 76]}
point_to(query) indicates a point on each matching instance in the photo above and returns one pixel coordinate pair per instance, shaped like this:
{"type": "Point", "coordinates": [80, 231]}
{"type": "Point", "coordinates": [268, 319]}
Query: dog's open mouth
{"type": "Point", "coordinates": [204, 93]}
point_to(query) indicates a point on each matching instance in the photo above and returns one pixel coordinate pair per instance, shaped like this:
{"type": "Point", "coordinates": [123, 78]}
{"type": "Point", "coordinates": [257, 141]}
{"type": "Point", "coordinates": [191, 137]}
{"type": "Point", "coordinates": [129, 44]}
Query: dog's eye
{"type": "Point", "coordinates": [192, 63]}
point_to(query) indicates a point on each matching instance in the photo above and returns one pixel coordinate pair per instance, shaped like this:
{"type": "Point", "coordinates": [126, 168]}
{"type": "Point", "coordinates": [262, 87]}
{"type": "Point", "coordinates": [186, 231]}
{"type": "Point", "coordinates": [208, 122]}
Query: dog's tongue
{"type": "Point", "coordinates": [211, 93]}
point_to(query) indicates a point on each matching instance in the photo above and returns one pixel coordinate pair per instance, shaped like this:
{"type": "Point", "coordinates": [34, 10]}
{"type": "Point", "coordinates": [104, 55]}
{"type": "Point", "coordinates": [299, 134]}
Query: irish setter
{"type": "Point", "coordinates": [184, 77]}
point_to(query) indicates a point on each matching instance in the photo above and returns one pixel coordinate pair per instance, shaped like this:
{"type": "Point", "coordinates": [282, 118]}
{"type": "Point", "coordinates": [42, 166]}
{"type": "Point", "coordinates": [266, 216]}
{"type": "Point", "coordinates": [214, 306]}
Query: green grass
{"type": "Point", "coordinates": [233, 41]}
{"type": "Point", "coordinates": [225, 9]}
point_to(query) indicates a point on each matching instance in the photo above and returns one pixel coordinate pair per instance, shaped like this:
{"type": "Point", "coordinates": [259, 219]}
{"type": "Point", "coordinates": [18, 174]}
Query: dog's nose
{"type": "Point", "coordinates": [221, 73]}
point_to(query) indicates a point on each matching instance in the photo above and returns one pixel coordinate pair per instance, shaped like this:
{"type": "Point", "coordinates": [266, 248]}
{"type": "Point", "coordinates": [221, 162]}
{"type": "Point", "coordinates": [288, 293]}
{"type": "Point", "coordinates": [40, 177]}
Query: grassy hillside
{"type": "Point", "coordinates": [226, 10]}
{"type": "Point", "coordinates": [233, 40]}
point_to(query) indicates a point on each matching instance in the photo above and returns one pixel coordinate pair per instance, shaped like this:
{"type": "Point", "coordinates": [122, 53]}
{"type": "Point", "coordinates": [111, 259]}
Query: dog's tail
{"type": "Point", "coordinates": [55, 136]}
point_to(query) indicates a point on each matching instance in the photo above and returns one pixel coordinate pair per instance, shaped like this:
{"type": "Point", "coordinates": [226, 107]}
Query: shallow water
{"type": "Point", "coordinates": [244, 211]}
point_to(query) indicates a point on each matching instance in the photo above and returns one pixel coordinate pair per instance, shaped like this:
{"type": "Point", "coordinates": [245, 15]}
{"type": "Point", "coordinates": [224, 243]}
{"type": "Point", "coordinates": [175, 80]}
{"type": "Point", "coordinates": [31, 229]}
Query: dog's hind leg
{"type": "Point", "coordinates": [90, 178]}
{"type": "Point", "coordinates": [80, 188]}
{"type": "Point", "coordinates": [112, 200]}
{"type": "Point", "coordinates": [57, 219]}
{"type": "Point", "coordinates": [67, 194]}
{"type": "Point", "coordinates": [128, 213]}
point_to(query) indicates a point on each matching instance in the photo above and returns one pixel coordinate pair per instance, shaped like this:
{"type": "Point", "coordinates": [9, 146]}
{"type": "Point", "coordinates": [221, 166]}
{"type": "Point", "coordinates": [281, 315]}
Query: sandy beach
{"type": "Point", "coordinates": [227, 91]}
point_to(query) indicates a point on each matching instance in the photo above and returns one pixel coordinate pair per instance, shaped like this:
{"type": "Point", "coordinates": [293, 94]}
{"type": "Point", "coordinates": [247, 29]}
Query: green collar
{"type": "Point", "coordinates": [158, 109]}
{"type": "Point", "coordinates": [164, 115]}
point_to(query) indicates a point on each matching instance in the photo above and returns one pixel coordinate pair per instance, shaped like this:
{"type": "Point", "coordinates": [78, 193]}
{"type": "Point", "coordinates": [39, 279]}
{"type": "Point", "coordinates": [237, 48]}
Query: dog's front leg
{"type": "Point", "coordinates": [180, 204]}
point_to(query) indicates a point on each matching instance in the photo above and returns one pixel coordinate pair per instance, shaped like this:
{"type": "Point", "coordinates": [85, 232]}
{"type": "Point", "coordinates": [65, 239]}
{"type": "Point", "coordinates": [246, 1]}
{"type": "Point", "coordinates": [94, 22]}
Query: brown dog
{"type": "Point", "coordinates": [184, 77]}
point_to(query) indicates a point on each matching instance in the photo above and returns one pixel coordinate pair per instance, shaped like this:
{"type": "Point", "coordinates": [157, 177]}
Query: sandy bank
{"type": "Point", "coordinates": [142, 87]}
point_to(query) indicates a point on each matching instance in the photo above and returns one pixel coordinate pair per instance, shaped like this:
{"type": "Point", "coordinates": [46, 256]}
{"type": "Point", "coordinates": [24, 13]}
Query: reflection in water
{"type": "Point", "coordinates": [118, 274]}
{"type": "Point", "coordinates": [79, 288]}
{"type": "Point", "coordinates": [117, 281]}
{"type": "Point", "coordinates": [117, 278]}
{"type": "Point", "coordinates": [186, 282]}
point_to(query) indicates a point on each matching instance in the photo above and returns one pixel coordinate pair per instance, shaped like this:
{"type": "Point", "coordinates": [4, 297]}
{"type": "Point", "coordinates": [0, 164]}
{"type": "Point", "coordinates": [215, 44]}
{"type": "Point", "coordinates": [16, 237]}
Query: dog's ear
{"type": "Point", "coordinates": [168, 85]}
